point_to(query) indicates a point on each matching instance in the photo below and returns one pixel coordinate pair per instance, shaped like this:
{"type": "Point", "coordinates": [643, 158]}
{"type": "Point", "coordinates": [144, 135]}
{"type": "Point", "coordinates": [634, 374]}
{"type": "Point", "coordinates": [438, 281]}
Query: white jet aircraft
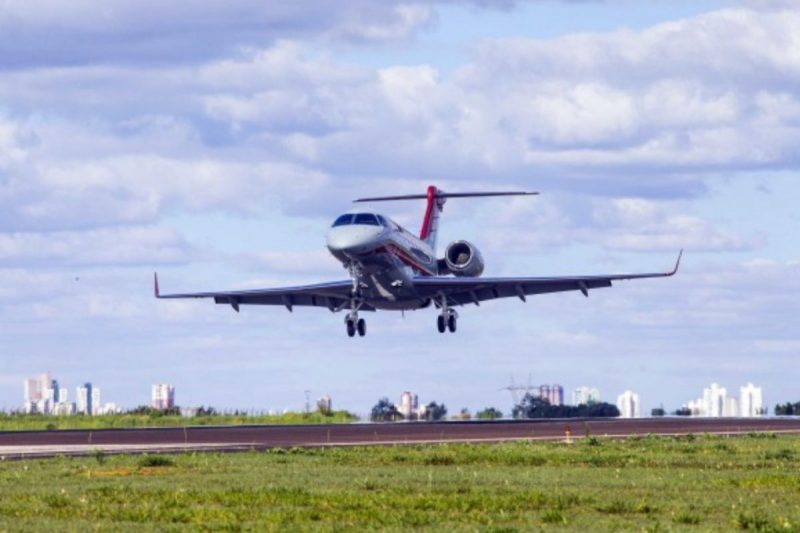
{"type": "Point", "coordinates": [392, 269]}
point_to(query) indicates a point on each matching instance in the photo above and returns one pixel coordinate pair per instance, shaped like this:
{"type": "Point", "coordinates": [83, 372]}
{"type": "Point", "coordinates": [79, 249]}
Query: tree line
{"type": "Point", "coordinates": [787, 409]}
{"type": "Point", "coordinates": [536, 407]}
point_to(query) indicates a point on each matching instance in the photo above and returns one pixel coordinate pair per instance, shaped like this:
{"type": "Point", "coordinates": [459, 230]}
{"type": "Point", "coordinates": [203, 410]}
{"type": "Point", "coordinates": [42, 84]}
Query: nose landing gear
{"type": "Point", "coordinates": [353, 323]}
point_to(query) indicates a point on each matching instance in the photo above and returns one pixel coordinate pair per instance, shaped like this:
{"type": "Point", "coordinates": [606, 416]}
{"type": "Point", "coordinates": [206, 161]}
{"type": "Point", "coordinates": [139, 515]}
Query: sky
{"type": "Point", "coordinates": [214, 142]}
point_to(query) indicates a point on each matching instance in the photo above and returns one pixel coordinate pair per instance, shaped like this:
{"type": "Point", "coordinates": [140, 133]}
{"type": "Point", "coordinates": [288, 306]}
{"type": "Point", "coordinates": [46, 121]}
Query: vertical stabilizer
{"type": "Point", "coordinates": [430, 223]}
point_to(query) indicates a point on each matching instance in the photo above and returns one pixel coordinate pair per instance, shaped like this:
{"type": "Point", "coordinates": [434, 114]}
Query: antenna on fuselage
{"type": "Point", "coordinates": [436, 199]}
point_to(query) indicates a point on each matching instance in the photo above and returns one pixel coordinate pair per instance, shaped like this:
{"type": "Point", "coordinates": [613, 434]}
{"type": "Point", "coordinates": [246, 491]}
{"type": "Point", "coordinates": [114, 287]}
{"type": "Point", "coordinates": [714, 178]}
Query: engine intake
{"type": "Point", "coordinates": [463, 259]}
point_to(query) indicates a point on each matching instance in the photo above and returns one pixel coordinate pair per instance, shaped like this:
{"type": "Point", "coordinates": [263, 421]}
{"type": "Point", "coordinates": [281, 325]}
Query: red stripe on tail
{"type": "Point", "coordinates": [429, 213]}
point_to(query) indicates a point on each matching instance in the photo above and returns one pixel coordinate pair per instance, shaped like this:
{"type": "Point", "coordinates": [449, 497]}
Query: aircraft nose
{"type": "Point", "coordinates": [353, 239]}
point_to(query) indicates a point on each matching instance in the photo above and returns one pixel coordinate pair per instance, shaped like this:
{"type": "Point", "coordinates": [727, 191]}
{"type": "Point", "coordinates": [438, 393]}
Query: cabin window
{"type": "Point", "coordinates": [343, 220]}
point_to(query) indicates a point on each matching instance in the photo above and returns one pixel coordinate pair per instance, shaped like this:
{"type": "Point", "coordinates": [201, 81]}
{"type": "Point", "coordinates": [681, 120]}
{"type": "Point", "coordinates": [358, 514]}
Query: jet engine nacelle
{"type": "Point", "coordinates": [462, 258]}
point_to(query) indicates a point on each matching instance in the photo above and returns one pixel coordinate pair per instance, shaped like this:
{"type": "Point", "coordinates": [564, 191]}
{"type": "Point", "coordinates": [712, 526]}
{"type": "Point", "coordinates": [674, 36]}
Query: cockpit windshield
{"type": "Point", "coordinates": [343, 220]}
{"type": "Point", "coordinates": [366, 218]}
{"type": "Point", "coordinates": [360, 218]}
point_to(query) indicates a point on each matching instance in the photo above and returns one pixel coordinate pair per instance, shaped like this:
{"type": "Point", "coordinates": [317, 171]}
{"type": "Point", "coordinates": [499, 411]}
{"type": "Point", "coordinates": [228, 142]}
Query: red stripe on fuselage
{"type": "Point", "coordinates": [407, 259]}
{"type": "Point", "coordinates": [426, 222]}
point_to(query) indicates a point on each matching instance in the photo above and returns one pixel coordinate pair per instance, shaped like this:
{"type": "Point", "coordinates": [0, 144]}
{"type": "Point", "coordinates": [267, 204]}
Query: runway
{"type": "Point", "coordinates": [30, 444]}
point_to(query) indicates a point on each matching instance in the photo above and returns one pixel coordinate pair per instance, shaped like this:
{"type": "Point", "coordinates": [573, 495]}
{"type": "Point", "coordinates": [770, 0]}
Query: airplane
{"type": "Point", "coordinates": [392, 269]}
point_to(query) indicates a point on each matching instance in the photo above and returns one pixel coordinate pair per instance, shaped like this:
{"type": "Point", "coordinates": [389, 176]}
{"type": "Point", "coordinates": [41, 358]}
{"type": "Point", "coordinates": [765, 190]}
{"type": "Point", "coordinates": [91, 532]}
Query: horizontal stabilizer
{"type": "Point", "coordinates": [442, 194]}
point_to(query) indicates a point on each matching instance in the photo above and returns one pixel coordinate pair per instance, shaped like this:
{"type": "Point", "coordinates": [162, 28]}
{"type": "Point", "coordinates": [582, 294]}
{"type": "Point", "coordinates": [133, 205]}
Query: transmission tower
{"type": "Point", "coordinates": [515, 389]}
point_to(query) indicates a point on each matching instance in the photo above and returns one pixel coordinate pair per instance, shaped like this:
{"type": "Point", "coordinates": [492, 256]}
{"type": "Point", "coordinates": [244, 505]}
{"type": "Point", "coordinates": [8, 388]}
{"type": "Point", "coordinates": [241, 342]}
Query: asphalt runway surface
{"type": "Point", "coordinates": [28, 444]}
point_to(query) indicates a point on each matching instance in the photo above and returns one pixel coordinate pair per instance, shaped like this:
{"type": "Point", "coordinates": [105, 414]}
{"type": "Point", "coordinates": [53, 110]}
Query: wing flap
{"type": "Point", "coordinates": [462, 291]}
{"type": "Point", "coordinates": [331, 295]}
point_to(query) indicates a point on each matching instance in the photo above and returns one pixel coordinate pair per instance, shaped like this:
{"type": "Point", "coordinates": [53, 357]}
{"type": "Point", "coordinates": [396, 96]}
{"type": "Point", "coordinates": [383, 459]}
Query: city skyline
{"type": "Point", "coordinates": [221, 162]}
{"type": "Point", "coordinates": [43, 394]}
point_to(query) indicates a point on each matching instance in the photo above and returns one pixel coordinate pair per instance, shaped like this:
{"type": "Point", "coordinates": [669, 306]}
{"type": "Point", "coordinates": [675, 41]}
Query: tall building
{"type": "Point", "coordinates": [731, 407]}
{"type": "Point", "coordinates": [628, 405]}
{"type": "Point", "coordinates": [57, 390]}
{"type": "Point", "coordinates": [35, 394]}
{"type": "Point", "coordinates": [87, 399]}
{"type": "Point", "coordinates": [544, 392]}
{"type": "Point", "coordinates": [584, 395]}
{"type": "Point", "coordinates": [554, 394]}
{"type": "Point", "coordinates": [163, 396]}
{"type": "Point", "coordinates": [750, 400]}
{"type": "Point", "coordinates": [409, 405]}
{"type": "Point", "coordinates": [714, 399]}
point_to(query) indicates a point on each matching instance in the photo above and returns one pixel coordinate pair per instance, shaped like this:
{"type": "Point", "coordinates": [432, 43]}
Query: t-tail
{"type": "Point", "coordinates": [435, 204]}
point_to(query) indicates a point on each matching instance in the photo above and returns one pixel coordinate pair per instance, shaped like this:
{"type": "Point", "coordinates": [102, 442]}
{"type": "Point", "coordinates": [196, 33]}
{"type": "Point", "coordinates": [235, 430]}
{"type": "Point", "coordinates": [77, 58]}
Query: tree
{"type": "Point", "coordinates": [787, 409]}
{"type": "Point", "coordinates": [536, 407]}
{"type": "Point", "coordinates": [490, 413]}
{"type": "Point", "coordinates": [434, 411]}
{"type": "Point", "coordinates": [658, 411]}
{"type": "Point", "coordinates": [385, 411]}
{"type": "Point", "coordinates": [532, 407]}
{"type": "Point", "coordinates": [683, 411]}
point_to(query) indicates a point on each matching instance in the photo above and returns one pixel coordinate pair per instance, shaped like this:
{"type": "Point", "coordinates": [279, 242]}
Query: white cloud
{"type": "Point", "coordinates": [118, 246]}
{"type": "Point", "coordinates": [617, 224]}
{"type": "Point", "coordinates": [49, 32]}
{"type": "Point", "coordinates": [642, 225]}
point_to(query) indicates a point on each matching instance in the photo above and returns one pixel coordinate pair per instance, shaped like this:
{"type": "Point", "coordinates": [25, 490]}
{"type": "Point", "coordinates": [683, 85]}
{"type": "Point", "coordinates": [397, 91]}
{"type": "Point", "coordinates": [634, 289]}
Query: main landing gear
{"type": "Point", "coordinates": [448, 320]}
{"type": "Point", "coordinates": [355, 325]}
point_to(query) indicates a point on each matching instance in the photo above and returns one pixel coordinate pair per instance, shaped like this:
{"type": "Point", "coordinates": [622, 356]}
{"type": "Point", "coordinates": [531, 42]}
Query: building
{"type": "Point", "coordinates": [325, 404]}
{"type": "Point", "coordinates": [109, 408]}
{"type": "Point", "coordinates": [751, 400]}
{"type": "Point", "coordinates": [554, 394]}
{"type": "Point", "coordinates": [696, 407]}
{"type": "Point", "coordinates": [409, 405]}
{"type": "Point", "coordinates": [714, 400]}
{"type": "Point", "coordinates": [163, 396]}
{"type": "Point", "coordinates": [64, 409]}
{"type": "Point", "coordinates": [731, 407]}
{"type": "Point", "coordinates": [35, 398]}
{"type": "Point", "coordinates": [628, 405]}
{"type": "Point", "coordinates": [585, 395]}
{"type": "Point", "coordinates": [87, 400]}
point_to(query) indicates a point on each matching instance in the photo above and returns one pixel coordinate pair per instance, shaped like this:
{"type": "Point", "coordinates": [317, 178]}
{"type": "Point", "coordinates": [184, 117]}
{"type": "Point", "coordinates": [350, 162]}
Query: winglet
{"type": "Point", "coordinates": [155, 285]}
{"type": "Point", "coordinates": [677, 264]}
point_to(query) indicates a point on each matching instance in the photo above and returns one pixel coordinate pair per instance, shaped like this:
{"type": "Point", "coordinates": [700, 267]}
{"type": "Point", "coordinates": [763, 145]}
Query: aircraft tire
{"type": "Point", "coordinates": [361, 326]}
{"type": "Point", "coordinates": [441, 324]}
{"type": "Point", "coordinates": [451, 323]}
{"type": "Point", "coordinates": [351, 329]}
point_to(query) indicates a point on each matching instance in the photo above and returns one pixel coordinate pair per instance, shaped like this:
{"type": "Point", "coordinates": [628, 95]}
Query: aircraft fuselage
{"type": "Point", "coordinates": [383, 259]}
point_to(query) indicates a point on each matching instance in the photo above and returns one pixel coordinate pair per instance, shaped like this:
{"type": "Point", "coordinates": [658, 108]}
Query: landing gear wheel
{"type": "Point", "coordinates": [440, 323]}
{"type": "Point", "coordinates": [451, 323]}
{"type": "Point", "coordinates": [361, 325]}
{"type": "Point", "coordinates": [351, 328]}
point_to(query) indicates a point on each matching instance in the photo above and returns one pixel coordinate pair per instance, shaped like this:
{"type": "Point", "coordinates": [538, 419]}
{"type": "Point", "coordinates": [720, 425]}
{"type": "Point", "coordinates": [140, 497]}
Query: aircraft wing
{"type": "Point", "coordinates": [334, 295]}
{"type": "Point", "coordinates": [461, 291]}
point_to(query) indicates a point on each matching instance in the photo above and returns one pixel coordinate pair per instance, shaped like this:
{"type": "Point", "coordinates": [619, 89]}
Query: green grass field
{"type": "Point", "coordinates": [18, 422]}
{"type": "Point", "coordinates": [643, 484]}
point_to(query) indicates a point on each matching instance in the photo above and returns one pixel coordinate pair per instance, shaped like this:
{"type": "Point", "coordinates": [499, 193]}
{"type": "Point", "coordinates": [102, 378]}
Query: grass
{"type": "Point", "coordinates": [748, 483]}
{"type": "Point", "coordinates": [21, 422]}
